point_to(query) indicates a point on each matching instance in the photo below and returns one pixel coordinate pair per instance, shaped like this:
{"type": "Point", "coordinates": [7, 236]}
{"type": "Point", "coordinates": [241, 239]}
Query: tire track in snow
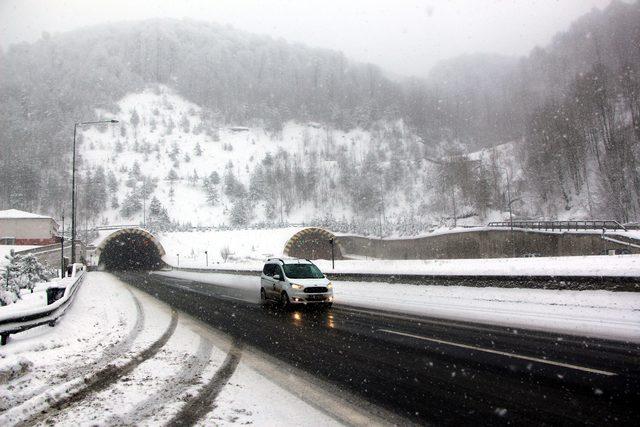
{"type": "Point", "coordinates": [203, 403]}
{"type": "Point", "coordinates": [79, 371]}
{"type": "Point", "coordinates": [95, 383]}
{"type": "Point", "coordinates": [190, 371]}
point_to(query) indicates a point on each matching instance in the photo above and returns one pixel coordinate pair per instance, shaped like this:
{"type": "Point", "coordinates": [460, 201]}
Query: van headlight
{"type": "Point", "coordinates": [330, 285]}
{"type": "Point", "coordinates": [296, 286]}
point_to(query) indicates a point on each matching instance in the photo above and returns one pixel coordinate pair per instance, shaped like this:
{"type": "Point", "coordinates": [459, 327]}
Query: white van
{"type": "Point", "coordinates": [294, 282]}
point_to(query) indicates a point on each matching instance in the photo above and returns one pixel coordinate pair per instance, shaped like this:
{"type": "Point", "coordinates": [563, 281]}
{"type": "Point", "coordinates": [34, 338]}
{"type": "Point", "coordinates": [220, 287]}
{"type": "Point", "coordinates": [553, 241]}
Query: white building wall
{"type": "Point", "coordinates": [28, 228]}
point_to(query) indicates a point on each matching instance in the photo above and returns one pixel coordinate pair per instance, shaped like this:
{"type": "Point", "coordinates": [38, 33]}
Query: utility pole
{"type": "Point", "coordinates": [73, 184]}
{"type": "Point", "coordinates": [206, 255]}
{"type": "Point", "coordinates": [333, 262]}
{"type": "Point", "coordinates": [73, 196]}
{"type": "Point", "coordinates": [178, 255]}
{"type": "Point", "coordinates": [509, 201]}
{"type": "Point", "coordinates": [62, 248]}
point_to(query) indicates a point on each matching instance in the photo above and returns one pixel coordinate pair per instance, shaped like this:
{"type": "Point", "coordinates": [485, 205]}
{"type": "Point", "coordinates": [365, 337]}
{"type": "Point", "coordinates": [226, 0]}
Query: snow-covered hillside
{"type": "Point", "coordinates": [161, 133]}
{"type": "Point", "coordinates": [169, 163]}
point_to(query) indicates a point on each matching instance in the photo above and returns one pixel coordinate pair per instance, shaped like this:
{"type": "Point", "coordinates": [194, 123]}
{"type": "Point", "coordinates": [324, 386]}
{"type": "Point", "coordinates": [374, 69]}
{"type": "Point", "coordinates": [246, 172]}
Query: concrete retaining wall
{"type": "Point", "coordinates": [498, 243]}
{"type": "Point", "coordinates": [50, 254]}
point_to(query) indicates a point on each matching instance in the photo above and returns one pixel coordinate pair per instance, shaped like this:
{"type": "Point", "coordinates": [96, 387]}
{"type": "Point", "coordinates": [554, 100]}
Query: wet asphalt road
{"type": "Point", "coordinates": [430, 371]}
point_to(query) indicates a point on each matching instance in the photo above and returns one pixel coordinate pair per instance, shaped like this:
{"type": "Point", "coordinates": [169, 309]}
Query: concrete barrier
{"type": "Point", "coordinates": [486, 243]}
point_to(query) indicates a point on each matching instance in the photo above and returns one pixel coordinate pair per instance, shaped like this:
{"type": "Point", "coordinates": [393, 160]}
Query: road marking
{"type": "Point", "coordinates": [503, 353]}
{"type": "Point", "coordinates": [229, 296]}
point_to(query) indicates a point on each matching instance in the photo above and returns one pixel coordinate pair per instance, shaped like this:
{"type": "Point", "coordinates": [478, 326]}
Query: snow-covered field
{"type": "Point", "coordinates": [244, 246]}
{"type": "Point", "coordinates": [603, 314]}
{"type": "Point", "coordinates": [114, 326]}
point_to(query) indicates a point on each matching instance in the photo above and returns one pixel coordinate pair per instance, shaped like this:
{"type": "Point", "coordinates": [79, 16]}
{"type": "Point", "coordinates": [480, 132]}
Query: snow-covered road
{"type": "Point", "coordinates": [119, 356]}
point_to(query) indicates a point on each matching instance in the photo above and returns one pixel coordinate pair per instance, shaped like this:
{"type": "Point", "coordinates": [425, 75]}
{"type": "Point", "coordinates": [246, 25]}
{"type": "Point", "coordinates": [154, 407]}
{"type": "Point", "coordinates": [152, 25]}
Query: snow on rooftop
{"type": "Point", "coordinates": [15, 213]}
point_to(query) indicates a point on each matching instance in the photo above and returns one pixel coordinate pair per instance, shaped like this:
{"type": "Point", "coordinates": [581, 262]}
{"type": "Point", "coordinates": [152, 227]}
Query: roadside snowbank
{"type": "Point", "coordinates": [601, 314]}
{"type": "Point", "coordinates": [110, 326]}
{"type": "Point", "coordinates": [594, 265]}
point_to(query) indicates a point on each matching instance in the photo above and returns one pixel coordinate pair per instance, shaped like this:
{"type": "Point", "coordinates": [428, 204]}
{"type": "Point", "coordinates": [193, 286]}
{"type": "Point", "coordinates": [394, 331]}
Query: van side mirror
{"type": "Point", "coordinates": [276, 276]}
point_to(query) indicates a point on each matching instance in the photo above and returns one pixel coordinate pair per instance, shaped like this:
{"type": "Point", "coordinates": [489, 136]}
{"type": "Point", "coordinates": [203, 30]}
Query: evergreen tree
{"type": "Point", "coordinates": [9, 285]}
{"type": "Point", "coordinates": [158, 219]}
{"type": "Point", "coordinates": [241, 211]}
{"type": "Point", "coordinates": [184, 124]}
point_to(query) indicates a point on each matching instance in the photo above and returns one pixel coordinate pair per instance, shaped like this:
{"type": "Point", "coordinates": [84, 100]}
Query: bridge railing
{"type": "Point", "coordinates": [560, 225]}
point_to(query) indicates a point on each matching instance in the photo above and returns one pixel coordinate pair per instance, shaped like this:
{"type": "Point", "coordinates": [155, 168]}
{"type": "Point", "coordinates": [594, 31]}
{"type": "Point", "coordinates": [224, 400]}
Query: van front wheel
{"type": "Point", "coordinates": [284, 300]}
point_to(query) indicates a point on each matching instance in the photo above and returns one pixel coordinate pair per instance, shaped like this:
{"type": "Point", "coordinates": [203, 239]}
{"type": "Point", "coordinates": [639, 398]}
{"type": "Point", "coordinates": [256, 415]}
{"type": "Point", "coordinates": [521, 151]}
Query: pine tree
{"type": "Point", "coordinates": [9, 286]}
{"type": "Point", "coordinates": [130, 205]}
{"type": "Point", "coordinates": [32, 272]}
{"type": "Point", "coordinates": [214, 178]}
{"type": "Point", "coordinates": [184, 124]}
{"type": "Point", "coordinates": [135, 120]}
{"type": "Point", "coordinates": [173, 175]}
{"type": "Point", "coordinates": [158, 219]}
{"type": "Point", "coordinates": [197, 150]}
{"type": "Point", "coordinates": [240, 214]}
{"type": "Point", "coordinates": [112, 182]}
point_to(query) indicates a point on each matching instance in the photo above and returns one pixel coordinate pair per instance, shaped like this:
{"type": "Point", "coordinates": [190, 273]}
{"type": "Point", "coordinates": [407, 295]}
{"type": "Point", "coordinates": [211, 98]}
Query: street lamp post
{"type": "Point", "coordinates": [206, 255]}
{"type": "Point", "coordinates": [333, 259]}
{"type": "Point", "coordinates": [73, 183]}
{"type": "Point", "coordinates": [62, 248]}
{"type": "Point", "coordinates": [510, 201]}
{"type": "Point", "coordinates": [178, 255]}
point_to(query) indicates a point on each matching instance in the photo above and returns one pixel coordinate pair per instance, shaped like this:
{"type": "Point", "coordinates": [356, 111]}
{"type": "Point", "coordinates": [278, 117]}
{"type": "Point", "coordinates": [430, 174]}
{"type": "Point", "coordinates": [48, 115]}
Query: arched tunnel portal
{"type": "Point", "coordinates": [313, 243]}
{"type": "Point", "coordinates": [130, 249]}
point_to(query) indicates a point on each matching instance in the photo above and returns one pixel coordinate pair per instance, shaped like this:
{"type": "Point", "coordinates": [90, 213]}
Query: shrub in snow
{"type": "Point", "coordinates": [22, 272]}
{"type": "Point", "coordinates": [32, 271]}
{"type": "Point", "coordinates": [225, 253]}
{"type": "Point", "coordinates": [9, 288]}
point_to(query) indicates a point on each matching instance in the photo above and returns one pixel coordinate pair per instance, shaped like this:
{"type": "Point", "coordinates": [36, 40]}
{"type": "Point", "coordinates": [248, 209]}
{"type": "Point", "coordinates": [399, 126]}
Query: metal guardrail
{"type": "Point", "coordinates": [13, 323]}
{"type": "Point", "coordinates": [560, 225]}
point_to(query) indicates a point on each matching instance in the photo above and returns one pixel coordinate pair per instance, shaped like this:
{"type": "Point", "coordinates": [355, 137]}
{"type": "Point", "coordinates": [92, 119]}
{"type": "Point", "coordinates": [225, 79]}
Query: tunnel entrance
{"type": "Point", "coordinates": [130, 249]}
{"type": "Point", "coordinates": [313, 243]}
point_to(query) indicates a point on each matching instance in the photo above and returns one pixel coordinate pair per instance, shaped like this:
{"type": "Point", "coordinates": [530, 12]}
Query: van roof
{"type": "Point", "coordinates": [289, 260]}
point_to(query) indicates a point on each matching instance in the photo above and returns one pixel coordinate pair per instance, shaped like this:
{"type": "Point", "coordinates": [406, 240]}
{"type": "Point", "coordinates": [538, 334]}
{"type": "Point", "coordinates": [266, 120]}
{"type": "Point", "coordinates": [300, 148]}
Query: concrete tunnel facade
{"type": "Point", "coordinates": [313, 243]}
{"type": "Point", "coordinates": [130, 249]}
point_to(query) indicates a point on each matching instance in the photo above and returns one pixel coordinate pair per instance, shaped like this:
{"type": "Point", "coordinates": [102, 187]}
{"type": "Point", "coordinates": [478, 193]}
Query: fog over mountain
{"type": "Point", "coordinates": [565, 120]}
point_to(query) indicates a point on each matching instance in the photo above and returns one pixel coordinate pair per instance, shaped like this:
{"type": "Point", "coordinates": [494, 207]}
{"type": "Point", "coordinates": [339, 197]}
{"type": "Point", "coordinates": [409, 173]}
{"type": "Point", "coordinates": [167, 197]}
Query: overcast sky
{"type": "Point", "coordinates": [405, 37]}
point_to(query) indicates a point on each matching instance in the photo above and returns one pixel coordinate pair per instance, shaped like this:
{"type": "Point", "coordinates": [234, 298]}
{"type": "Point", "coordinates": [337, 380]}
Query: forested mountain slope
{"type": "Point", "coordinates": [572, 108]}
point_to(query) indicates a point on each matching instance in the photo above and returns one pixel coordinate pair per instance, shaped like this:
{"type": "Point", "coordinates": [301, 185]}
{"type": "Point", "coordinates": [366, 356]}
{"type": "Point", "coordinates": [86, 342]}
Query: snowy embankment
{"type": "Point", "coordinates": [593, 265]}
{"type": "Point", "coordinates": [248, 249]}
{"type": "Point", "coordinates": [29, 300]}
{"type": "Point", "coordinates": [119, 356]}
{"type": "Point", "coordinates": [570, 266]}
{"type": "Point", "coordinates": [601, 314]}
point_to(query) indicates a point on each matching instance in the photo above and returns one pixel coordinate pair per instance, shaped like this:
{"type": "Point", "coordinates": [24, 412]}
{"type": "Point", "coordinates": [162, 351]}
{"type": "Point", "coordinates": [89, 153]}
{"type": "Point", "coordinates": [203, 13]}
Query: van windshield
{"type": "Point", "coordinates": [302, 271]}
